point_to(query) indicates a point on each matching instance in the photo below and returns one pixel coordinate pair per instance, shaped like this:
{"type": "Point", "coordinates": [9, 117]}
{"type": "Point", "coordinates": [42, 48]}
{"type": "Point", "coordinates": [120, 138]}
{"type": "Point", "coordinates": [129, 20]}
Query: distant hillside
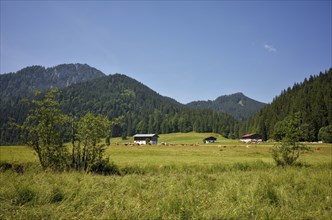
{"type": "Point", "coordinates": [29, 79]}
{"type": "Point", "coordinates": [113, 95]}
{"type": "Point", "coordinates": [14, 87]}
{"type": "Point", "coordinates": [141, 109]}
{"type": "Point", "coordinates": [312, 99]}
{"type": "Point", "coordinates": [238, 105]}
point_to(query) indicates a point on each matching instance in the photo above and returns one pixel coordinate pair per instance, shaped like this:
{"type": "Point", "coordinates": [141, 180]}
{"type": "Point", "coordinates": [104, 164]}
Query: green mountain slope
{"type": "Point", "coordinates": [238, 105]}
{"type": "Point", "coordinates": [15, 87]}
{"type": "Point", "coordinates": [141, 109]}
{"type": "Point", "coordinates": [312, 99]}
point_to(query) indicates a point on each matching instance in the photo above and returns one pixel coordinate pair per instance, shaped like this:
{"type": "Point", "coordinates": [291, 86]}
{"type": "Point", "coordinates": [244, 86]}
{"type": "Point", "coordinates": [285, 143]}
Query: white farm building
{"type": "Point", "coordinates": [143, 138]}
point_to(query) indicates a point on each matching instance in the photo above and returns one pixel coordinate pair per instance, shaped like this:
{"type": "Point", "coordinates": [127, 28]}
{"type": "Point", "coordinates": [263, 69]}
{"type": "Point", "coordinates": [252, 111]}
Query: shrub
{"type": "Point", "coordinates": [4, 166]}
{"type": "Point", "coordinates": [57, 195]}
{"type": "Point", "coordinates": [293, 130]}
{"type": "Point", "coordinates": [47, 128]}
{"type": "Point", "coordinates": [286, 153]}
{"type": "Point", "coordinates": [18, 168]}
{"type": "Point", "coordinates": [24, 195]}
{"type": "Point", "coordinates": [105, 167]}
{"type": "Point", "coordinates": [272, 196]}
{"type": "Point", "coordinates": [325, 134]}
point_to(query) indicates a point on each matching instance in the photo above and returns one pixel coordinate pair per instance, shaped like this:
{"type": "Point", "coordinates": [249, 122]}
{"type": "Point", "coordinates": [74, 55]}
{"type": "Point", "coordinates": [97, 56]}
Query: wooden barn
{"type": "Point", "coordinates": [210, 140]}
{"type": "Point", "coordinates": [143, 138]}
{"type": "Point", "coordinates": [248, 138]}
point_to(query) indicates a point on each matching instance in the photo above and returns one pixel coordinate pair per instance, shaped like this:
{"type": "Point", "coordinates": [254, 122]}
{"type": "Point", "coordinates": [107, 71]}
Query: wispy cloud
{"type": "Point", "coordinates": [270, 48]}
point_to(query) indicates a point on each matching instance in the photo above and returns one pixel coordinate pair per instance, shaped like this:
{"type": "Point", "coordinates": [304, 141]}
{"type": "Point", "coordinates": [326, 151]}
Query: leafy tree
{"type": "Point", "coordinates": [280, 130]}
{"type": "Point", "coordinates": [90, 130]}
{"type": "Point", "coordinates": [117, 127]}
{"type": "Point", "coordinates": [325, 134]}
{"type": "Point", "coordinates": [291, 132]}
{"type": "Point", "coordinates": [45, 130]}
{"type": "Point", "coordinates": [286, 153]}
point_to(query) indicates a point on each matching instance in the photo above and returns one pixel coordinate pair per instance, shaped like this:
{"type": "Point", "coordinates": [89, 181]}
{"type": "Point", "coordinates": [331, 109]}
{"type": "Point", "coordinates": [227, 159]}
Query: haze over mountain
{"type": "Point", "coordinates": [238, 105]}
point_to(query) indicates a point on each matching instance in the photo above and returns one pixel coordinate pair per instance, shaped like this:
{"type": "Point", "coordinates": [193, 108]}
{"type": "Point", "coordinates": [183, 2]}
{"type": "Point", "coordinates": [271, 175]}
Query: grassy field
{"type": "Point", "coordinates": [185, 179]}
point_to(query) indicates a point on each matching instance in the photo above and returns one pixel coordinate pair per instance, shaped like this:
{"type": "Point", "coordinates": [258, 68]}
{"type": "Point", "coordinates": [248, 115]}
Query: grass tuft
{"type": "Point", "coordinates": [57, 195]}
{"type": "Point", "coordinates": [24, 194]}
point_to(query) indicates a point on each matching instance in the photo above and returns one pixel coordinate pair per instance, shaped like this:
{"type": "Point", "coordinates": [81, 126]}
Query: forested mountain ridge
{"type": "Point", "coordinates": [312, 99]}
{"type": "Point", "coordinates": [237, 105]}
{"type": "Point", "coordinates": [141, 109]}
{"type": "Point", "coordinates": [29, 79]}
{"type": "Point", "coordinates": [15, 87]}
{"type": "Point", "coordinates": [138, 108]}
{"type": "Point", "coordinates": [113, 96]}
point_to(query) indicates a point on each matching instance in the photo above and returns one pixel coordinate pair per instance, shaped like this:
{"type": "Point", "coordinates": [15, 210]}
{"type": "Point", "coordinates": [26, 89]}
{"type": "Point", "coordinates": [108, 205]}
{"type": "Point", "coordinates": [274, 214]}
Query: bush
{"type": "Point", "coordinates": [24, 195]}
{"type": "Point", "coordinates": [291, 130]}
{"type": "Point", "coordinates": [286, 153]}
{"type": "Point", "coordinates": [4, 166]}
{"type": "Point", "coordinates": [105, 167]}
{"type": "Point", "coordinates": [325, 134]}
{"type": "Point", "coordinates": [57, 195]}
{"type": "Point", "coordinates": [17, 168]}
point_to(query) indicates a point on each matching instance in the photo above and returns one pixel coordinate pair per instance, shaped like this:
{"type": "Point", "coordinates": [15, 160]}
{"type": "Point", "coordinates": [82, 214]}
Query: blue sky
{"type": "Point", "coordinates": [187, 50]}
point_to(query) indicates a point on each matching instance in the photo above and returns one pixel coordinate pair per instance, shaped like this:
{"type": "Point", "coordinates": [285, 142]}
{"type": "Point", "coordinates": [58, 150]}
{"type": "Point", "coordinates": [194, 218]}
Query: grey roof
{"type": "Point", "coordinates": [145, 135]}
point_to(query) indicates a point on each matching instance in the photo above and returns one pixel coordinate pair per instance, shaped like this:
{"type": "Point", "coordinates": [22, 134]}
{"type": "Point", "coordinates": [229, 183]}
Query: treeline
{"type": "Point", "coordinates": [311, 100]}
{"type": "Point", "coordinates": [141, 110]}
{"type": "Point", "coordinates": [184, 120]}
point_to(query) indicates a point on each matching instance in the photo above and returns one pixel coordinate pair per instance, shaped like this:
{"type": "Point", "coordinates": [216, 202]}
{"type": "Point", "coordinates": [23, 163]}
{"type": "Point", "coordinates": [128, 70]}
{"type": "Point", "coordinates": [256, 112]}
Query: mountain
{"type": "Point", "coordinates": [138, 108]}
{"type": "Point", "coordinates": [113, 95]}
{"type": "Point", "coordinates": [142, 110]}
{"type": "Point", "coordinates": [312, 99]}
{"type": "Point", "coordinates": [15, 87]}
{"type": "Point", "coordinates": [29, 79]}
{"type": "Point", "coordinates": [237, 105]}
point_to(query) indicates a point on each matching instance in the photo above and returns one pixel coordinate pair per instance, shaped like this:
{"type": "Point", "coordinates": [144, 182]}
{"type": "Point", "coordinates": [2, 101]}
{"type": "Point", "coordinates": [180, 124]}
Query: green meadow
{"type": "Point", "coordinates": [181, 179]}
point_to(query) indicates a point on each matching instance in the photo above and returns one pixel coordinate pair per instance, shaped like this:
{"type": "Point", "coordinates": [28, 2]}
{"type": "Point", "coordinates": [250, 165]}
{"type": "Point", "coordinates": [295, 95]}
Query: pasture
{"type": "Point", "coordinates": [184, 179]}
